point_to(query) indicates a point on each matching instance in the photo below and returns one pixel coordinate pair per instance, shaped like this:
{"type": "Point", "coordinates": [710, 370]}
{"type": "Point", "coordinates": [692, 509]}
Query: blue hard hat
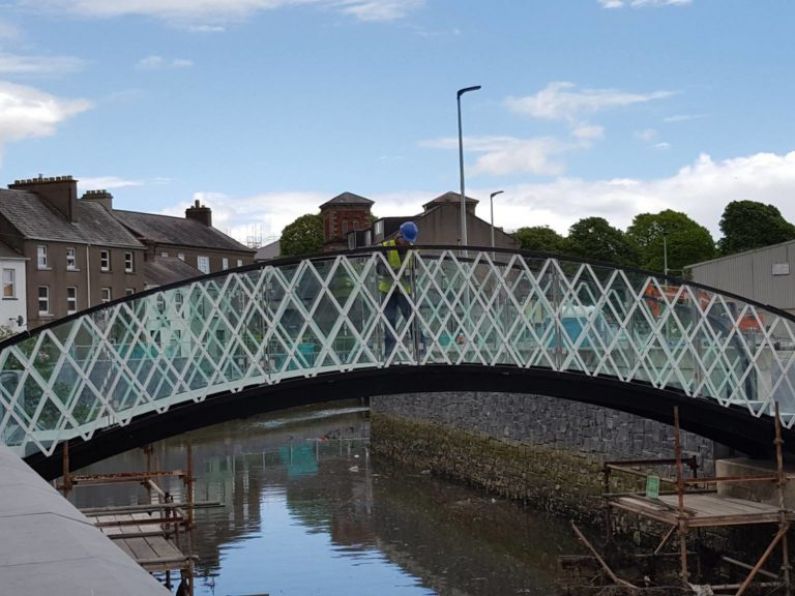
{"type": "Point", "coordinates": [408, 229]}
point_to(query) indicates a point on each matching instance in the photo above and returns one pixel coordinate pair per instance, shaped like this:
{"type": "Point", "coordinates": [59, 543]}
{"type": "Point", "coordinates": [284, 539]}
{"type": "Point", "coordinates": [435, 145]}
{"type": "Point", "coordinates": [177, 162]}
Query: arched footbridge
{"type": "Point", "coordinates": [291, 332]}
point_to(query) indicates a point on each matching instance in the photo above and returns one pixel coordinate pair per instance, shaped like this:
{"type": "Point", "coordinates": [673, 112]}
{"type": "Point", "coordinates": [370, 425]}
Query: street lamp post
{"type": "Point", "coordinates": [491, 204]}
{"type": "Point", "coordinates": [459, 93]}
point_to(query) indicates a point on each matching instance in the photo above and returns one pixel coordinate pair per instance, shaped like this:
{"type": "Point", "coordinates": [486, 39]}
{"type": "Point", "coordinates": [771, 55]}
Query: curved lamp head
{"type": "Point", "coordinates": [460, 92]}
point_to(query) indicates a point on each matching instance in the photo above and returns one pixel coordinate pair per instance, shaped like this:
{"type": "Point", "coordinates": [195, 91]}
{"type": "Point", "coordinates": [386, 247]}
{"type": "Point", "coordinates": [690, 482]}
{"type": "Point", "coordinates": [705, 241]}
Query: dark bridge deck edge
{"type": "Point", "coordinates": [733, 426]}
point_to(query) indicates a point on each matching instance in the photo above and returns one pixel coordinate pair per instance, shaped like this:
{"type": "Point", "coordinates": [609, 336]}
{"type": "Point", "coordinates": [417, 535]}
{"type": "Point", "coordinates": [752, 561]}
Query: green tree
{"type": "Point", "coordinates": [540, 239]}
{"type": "Point", "coordinates": [749, 224]}
{"type": "Point", "coordinates": [595, 239]}
{"type": "Point", "coordinates": [302, 237]}
{"type": "Point", "coordinates": [688, 242]}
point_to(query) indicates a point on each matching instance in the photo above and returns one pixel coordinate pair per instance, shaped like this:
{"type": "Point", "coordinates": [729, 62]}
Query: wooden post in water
{"type": "Point", "coordinates": [67, 478]}
{"type": "Point", "coordinates": [680, 492]}
{"type": "Point", "coordinates": [782, 510]}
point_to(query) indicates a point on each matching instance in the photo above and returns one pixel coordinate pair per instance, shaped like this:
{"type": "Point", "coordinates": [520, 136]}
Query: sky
{"type": "Point", "coordinates": [265, 109]}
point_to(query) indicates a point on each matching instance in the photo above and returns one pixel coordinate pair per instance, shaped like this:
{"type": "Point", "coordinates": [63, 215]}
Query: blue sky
{"type": "Point", "coordinates": [264, 109]}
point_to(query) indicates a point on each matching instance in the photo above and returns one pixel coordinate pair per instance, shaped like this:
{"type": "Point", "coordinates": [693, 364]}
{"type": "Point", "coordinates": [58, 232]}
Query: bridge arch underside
{"type": "Point", "coordinates": [730, 426]}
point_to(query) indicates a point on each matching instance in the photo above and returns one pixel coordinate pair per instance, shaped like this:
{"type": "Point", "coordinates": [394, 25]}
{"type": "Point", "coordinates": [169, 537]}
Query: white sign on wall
{"type": "Point", "coordinates": [780, 268]}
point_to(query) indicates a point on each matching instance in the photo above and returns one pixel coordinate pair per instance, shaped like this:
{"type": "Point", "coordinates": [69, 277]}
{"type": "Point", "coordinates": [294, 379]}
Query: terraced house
{"type": "Point", "coordinates": [82, 252]}
{"type": "Point", "coordinates": [78, 255]}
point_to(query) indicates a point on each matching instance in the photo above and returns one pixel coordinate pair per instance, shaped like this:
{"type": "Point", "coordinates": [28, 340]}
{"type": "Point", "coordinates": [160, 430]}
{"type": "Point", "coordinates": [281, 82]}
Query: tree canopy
{"type": "Point", "coordinates": [302, 237]}
{"type": "Point", "coordinates": [594, 238]}
{"type": "Point", "coordinates": [688, 242]}
{"type": "Point", "coordinates": [749, 224]}
{"type": "Point", "coordinates": [540, 238]}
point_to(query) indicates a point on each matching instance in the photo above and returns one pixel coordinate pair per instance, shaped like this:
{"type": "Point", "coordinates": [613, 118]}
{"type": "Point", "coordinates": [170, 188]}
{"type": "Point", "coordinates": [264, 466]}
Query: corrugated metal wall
{"type": "Point", "coordinates": [750, 274]}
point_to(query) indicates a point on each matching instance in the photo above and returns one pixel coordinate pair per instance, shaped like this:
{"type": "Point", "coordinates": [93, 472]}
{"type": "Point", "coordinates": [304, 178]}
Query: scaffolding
{"type": "Point", "coordinates": [693, 505]}
{"type": "Point", "coordinates": [156, 534]}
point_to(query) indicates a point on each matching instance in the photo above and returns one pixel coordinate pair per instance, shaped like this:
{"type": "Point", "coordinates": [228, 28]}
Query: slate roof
{"type": "Point", "coordinates": [269, 251]}
{"type": "Point", "coordinates": [165, 270]}
{"type": "Point", "coordinates": [347, 198]}
{"type": "Point", "coordinates": [35, 220]}
{"type": "Point", "coordinates": [167, 229]}
{"type": "Point", "coordinates": [6, 252]}
{"type": "Point", "coordinates": [449, 197]}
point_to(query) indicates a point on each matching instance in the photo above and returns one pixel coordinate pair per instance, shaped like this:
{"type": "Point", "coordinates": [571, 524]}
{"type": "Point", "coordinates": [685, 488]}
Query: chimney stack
{"type": "Point", "coordinates": [59, 192]}
{"type": "Point", "coordinates": [103, 197]}
{"type": "Point", "coordinates": [200, 213]}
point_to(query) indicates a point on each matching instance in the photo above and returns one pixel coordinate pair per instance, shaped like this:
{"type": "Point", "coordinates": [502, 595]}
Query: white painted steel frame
{"type": "Point", "coordinates": [253, 327]}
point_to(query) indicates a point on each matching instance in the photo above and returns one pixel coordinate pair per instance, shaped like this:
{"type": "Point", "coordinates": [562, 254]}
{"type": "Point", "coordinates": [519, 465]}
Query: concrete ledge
{"type": "Point", "coordinates": [49, 547]}
{"type": "Point", "coordinates": [761, 492]}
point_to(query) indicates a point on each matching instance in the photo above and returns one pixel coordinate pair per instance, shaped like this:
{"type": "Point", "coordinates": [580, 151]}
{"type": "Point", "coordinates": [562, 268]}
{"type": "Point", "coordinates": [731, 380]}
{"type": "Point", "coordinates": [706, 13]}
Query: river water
{"type": "Point", "coordinates": [306, 510]}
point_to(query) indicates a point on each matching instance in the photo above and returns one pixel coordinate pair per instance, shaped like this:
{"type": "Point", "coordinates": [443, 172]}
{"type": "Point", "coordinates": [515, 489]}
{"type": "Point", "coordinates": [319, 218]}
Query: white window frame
{"type": "Point", "coordinates": [129, 291]}
{"type": "Point", "coordinates": [163, 254]}
{"type": "Point", "coordinates": [106, 295]}
{"type": "Point", "coordinates": [203, 263]}
{"type": "Point", "coordinates": [71, 255]}
{"type": "Point", "coordinates": [43, 299]}
{"type": "Point", "coordinates": [129, 262]}
{"type": "Point", "coordinates": [104, 260]}
{"type": "Point", "coordinates": [41, 257]}
{"type": "Point", "coordinates": [240, 262]}
{"type": "Point", "coordinates": [181, 256]}
{"type": "Point", "coordinates": [71, 301]}
{"type": "Point", "coordinates": [10, 280]}
{"type": "Point", "coordinates": [224, 263]}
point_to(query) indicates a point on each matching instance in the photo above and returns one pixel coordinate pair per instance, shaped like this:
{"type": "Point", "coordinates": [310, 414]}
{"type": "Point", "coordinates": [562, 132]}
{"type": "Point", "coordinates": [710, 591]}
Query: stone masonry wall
{"type": "Point", "coordinates": [545, 450]}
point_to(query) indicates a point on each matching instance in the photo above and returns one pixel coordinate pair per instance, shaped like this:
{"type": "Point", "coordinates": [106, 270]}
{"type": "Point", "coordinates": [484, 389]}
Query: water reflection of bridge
{"type": "Point", "coordinates": [272, 336]}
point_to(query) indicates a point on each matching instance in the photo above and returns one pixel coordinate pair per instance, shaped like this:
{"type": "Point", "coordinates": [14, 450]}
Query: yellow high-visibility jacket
{"type": "Point", "coordinates": [395, 262]}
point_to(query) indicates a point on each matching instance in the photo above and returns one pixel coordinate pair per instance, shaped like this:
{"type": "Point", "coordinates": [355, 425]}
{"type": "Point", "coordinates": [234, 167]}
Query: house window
{"type": "Point", "coordinates": [224, 263]}
{"type": "Point", "coordinates": [41, 257]}
{"type": "Point", "coordinates": [203, 264]}
{"type": "Point", "coordinates": [240, 262]}
{"type": "Point", "coordinates": [378, 228]}
{"type": "Point", "coordinates": [106, 294]}
{"type": "Point", "coordinates": [71, 300]}
{"type": "Point", "coordinates": [104, 260]}
{"type": "Point", "coordinates": [164, 254]}
{"type": "Point", "coordinates": [9, 283]}
{"type": "Point", "coordinates": [129, 291]}
{"type": "Point", "coordinates": [181, 256]}
{"type": "Point", "coordinates": [44, 300]}
{"type": "Point", "coordinates": [71, 259]}
{"type": "Point", "coordinates": [129, 262]}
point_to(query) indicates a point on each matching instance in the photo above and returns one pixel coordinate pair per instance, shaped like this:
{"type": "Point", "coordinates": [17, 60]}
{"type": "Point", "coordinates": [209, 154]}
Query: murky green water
{"type": "Point", "coordinates": [306, 510]}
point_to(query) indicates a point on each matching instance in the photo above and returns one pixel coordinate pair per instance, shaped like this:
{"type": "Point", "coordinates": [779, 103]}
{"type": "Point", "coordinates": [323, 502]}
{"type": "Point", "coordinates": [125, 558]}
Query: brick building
{"type": "Point", "coordinates": [347, 212]}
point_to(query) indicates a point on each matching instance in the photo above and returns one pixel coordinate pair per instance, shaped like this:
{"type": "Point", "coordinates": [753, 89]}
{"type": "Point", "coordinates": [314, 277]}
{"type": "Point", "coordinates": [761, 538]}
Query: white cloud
{"type": "Point", "coordinates": [214, 13]}
{"type": "Point", "coordinates": [701, 189]}
{"type": "Point", "coordinates": [106, 183]}
{"type": "Point", "coordinates": [12, 64]}
{"type": "Point", "coordinates": [9, 31]}
{"type": "Point", "coordinates": [684, 117]}
{"type": "Point", "coordinates": [560, 101]}
{"type": "Point", "coordinates": [588, 132]}
{"type": "Point", "coordinates": [26, 112]}
{"type": "Point", "coordinates": [505, 155]}
{"type": "Point", "coordinates": [160, 63]}
{"type": "Point", "coordinates": [641, 3]}
{"type": "Point", "coordinates": [646, 135]}
{"type": "Point", "coordinates": [662, 146]}
{"type": "Point", "coordinates": [379, 10]}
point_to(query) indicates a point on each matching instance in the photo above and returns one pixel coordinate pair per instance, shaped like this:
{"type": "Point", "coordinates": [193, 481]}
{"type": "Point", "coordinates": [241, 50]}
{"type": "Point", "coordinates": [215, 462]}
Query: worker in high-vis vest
{"type": "Point", "coordinates": [397, 300]}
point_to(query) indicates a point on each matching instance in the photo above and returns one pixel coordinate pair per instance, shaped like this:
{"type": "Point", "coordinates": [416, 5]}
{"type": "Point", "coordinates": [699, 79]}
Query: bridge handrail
{"type": "Point", "coordinates": [301, 316]}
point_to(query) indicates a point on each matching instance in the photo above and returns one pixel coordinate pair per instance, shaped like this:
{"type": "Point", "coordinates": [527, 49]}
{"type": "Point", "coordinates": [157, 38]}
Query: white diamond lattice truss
{"type": "Point", "coordinates": [259, 326]}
